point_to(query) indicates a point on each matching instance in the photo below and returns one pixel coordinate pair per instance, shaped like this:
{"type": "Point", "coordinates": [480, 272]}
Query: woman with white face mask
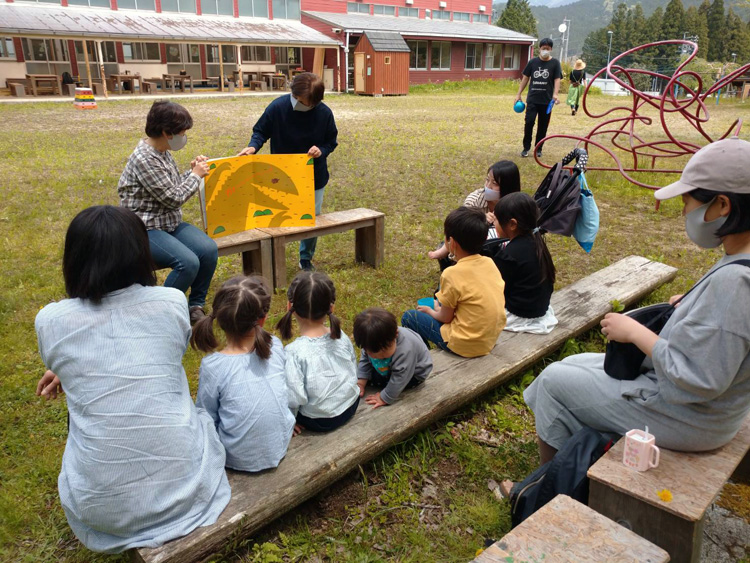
{"type": "Point", "coordinates": [502, 178]}
{"type": "Point", "coordinates": [152, 187]}
{"type": "Point", "coordinates": [693, 392]}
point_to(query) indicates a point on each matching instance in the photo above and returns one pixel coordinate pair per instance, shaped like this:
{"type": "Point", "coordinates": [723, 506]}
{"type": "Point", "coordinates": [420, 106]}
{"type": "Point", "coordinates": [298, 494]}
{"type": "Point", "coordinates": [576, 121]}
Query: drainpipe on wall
{"type": "Point", "coordinates": [346, 64]}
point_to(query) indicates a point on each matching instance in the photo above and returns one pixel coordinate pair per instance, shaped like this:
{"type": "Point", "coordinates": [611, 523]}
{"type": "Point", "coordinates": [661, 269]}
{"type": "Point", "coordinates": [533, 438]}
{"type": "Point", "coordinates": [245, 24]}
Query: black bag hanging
{"type": "Point", "coordinates": [623, 360]}
{"type": "Point", "coordinates": [558, 197]}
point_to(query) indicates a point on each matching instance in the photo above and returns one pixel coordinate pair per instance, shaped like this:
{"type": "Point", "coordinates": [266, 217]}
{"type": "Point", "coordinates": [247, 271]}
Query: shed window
{"type": "Point", "coordinates": [387, 60]}
{"type": "Point", "coordinates": [418, 55]}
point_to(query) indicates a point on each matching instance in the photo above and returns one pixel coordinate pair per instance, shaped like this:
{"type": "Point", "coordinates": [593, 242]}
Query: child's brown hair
{"type": "Point", "coordinates": [238, 306]}
{"type": "Point", "coordinates": [312, 295]}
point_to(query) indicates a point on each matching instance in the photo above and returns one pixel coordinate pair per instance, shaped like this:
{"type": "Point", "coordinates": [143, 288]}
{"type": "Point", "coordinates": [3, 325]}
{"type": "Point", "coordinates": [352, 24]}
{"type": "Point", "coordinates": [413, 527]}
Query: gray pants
{"type": "Point", "coordinates": [577, 392]}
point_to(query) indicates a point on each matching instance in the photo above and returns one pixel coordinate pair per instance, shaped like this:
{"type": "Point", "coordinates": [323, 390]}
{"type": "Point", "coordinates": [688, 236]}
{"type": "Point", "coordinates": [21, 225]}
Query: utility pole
{"type": "Point", "coordinates": [609, 51]}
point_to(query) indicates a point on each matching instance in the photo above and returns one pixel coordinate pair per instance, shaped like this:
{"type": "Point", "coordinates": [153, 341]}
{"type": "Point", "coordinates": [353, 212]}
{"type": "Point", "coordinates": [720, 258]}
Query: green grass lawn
{"type": "Point", "coordinates": [414, 158]}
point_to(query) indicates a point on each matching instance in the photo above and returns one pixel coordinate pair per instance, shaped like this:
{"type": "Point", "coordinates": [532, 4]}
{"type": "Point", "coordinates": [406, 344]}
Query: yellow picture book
{"type": "Point", "coordinates": [256, 191]}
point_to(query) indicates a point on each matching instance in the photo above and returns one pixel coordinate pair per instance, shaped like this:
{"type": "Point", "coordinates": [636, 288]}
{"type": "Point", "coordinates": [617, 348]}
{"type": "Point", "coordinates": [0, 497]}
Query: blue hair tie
{"type": "Point", "coordinates": [535, 231]}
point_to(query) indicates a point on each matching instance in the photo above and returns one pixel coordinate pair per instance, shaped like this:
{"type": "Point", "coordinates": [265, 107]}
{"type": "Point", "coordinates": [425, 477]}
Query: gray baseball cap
{"type": "Point", "coordinates": [722, 166]}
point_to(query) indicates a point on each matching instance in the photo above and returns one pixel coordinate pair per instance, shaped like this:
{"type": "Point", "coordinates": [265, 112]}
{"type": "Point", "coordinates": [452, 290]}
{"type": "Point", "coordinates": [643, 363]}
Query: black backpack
{"type": "Point", "coordinates": [564, 474]}
{"type": "Point", "coordinates": [558, 197]}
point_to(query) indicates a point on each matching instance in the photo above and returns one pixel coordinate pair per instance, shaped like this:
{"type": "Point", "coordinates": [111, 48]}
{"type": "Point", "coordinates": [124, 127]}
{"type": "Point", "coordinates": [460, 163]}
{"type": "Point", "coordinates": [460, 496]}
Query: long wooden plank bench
{"type": "Point", "coordinates": [315, 461]}
{"type": "Point", "coordinates": [369, 227]}
{"type": "Point", "coordinates": [566, 531]}
{"type": "Point", "coordinates": [694, 480]}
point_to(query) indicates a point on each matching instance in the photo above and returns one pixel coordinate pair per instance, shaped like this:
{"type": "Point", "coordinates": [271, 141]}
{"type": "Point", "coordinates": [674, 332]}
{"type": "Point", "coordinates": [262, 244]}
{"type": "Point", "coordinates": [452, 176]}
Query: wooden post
{"type": "Point", "coordinates": [239, 66]}
{"type": "Point", "coordinates": [318, 59]}
{"type": "Point", "coordinates": [86, 59]}
{"type": "Point", "coordinates": [221, 68]}
{"type": "Point", "coordinates": [101, 67]}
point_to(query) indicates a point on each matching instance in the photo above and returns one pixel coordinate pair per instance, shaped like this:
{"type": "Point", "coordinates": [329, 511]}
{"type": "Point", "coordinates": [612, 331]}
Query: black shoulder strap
{"type": "Point", "coordinates": [743, 262]}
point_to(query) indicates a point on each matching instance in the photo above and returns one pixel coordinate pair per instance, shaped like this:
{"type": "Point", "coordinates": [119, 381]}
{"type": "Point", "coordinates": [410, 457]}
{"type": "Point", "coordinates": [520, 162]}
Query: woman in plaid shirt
{"type": "Point", "coordinates": [151, 186]}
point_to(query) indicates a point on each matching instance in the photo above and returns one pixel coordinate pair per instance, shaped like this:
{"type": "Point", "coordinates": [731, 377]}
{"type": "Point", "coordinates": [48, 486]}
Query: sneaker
{"type": "Point", "coordinates": [196, 314]}
{"type": "Point", "coordinates": [573, 112]}
{"type": "Point", "coordinates": [539, 154]}
{"type": "Point", "coordinates": [524, 153]}
{"type": "Point", "coordinates": [306, 265]}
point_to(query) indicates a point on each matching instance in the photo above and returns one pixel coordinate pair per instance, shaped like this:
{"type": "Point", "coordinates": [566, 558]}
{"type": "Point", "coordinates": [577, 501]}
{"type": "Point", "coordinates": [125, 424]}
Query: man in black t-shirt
{"type": "Point", "coordinates": [543, 75]}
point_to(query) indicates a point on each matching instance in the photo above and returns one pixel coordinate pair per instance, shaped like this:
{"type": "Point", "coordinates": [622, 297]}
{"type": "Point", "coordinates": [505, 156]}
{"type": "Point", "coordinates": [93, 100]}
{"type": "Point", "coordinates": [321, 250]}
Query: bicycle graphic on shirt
{"type": "Point", "coordinates": [541, 73]}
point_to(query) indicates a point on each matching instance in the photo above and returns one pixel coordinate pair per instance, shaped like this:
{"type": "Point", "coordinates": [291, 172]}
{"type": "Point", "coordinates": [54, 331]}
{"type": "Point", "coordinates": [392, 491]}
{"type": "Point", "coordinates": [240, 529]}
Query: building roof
{"type": "Point", "coordinates": [387, 41]}
{"type": "Point", "coordinates": [73, 22]}
{"type": "Point", "coordinates": [359, 23]}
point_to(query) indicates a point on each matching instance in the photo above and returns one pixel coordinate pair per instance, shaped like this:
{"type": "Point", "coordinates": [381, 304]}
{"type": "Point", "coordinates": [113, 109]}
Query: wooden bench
{"type": "Point", "coordinates": [315, 461]}
{"type": "Point", "coordinates": [149, 87]}
{"type": "Point", "coordinates": [694, 480]}
{"type": "Point", "coordinates": [256, 250]}
{"type": "Point", "coordinates": [257, 85]}
{"type": "Point", "coordinates": [368, 225]}
{"type": "Point", "coordinates": [564, 530]}
{"type": "Point", "coordinates": [17, 89]}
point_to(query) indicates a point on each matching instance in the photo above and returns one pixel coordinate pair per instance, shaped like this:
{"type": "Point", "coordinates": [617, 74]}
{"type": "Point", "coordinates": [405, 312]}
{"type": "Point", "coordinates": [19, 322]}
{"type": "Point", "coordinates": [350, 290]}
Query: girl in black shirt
{"type": "Point", "coordinates": [526, 266]}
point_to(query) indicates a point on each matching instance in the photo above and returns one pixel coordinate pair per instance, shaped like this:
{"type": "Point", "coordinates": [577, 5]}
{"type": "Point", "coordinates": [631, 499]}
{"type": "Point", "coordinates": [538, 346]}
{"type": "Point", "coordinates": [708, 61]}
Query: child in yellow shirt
{"type": "Point", "coordinates": [469, 312]}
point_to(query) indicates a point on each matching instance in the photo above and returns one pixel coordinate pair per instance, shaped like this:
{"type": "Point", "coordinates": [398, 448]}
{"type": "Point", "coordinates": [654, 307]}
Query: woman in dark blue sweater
{"type": "Point", "coordinates": [296, 124]}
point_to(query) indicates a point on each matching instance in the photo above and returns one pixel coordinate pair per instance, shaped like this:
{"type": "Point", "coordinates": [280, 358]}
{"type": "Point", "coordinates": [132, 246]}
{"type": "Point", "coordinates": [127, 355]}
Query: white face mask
{"type": "Point", "coordinates": [177, 142]}
{"type": "Point", "coordinates": [700, 231]}
{"type": "Point", "coordinates": [490, 194]}
{"type": "Point", "coordinates": [545, 54]}
{"type": "Point", "coordinates": [299, 106]}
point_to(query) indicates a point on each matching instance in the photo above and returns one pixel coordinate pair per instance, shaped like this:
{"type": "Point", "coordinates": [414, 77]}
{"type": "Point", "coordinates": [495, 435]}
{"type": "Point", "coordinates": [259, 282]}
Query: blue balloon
{"type": "Point", "coordinates": [519, 106]}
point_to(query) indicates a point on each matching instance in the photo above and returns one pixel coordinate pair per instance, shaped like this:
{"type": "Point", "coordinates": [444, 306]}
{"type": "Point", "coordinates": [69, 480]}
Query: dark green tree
{"type": "Point", "coordinates": [594, 50]}
{"type": "Point", "coordinates": [737, 39]}
{"type": "Point", "coordinates": [517, 16]}
{"type": "Point", "coordinates": [696, 25]}
{"type": "Point", "coordinates": [672, 24]}
{"type": "Point", "coordinates": [716, 35]}
{"type": "Point", "coordinates": [703, 10]}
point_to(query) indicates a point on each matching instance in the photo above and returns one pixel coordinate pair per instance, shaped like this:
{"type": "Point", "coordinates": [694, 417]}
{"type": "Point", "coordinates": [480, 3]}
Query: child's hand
{"type": "Point", "coordinates": [423, 309]}
{"type": "Point", "coordinates": [675, 298]}
{"type": "Point", "coordinates": [297, 430]}
{"type": "Point", "coordinates": [619, 327]}
{"type": "Point", "coordinates": [491, 218]}
{"type": "Point", "coordinates": [361, 383]}
{"type": "Point", "coordinates": [375, 401]}
{"type": "Point", "coordinates": [432, 255]}
{"type": "Point", "coordinates": [49, 386]}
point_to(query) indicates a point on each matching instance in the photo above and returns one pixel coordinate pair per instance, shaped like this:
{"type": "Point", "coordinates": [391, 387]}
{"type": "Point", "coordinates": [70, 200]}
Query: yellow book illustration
{"type": "Point", "coordinates": [256, 191]}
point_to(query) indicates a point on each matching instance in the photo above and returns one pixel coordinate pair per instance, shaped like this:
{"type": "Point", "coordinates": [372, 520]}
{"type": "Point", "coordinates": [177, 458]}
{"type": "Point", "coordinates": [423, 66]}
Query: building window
{"type": "Point", "coordinates": [7, 49]}
{"type": "Point", "coordinates": [473, 56]}
{"type": "Point", "coordinates": [288, 55]}
{"type": "Point", "coordinates": [493, 57]}
{"type": "Point", "coordinates": [149, 5]}
{"type": "Point", "coordinates": [356, 8]}
{"type": "Point", "coordinates": [384, 10]}
{"type": "Point", "coordinates": [185, 6]}
{"type": "Point", "coordinates": [90, 3]}
{"type": "Point", "coordinates": [408, 12]}
{"type": "Point", "coordinates": [387, 60]}
{"type": "Point", "coordinates": [481, 18]}
{"type": "Point", "coordinates": [217, 7]}
{"type": "Point", "coordinates": [441, 55]}
{"type": "Point", "coordinates": [418, 55]}
{"type": "Point", "coordinates": [256, 54]}
{"type": "Point", "coordinates": [512, 59]}
{"type": "Point", "coordinates": [181, 53]}
{"type": "Point", "coordinates": [141, 52]}
{"type": "Point", "coordinates": [461, 16]}
{"type": "Point", "coordinates": [44, 1]}
{"type": "Point", "coordinates": [286, 9]}
{"type": "Point", "coordinates": [45, 50]}
{"type": "Point", "coordinates": [441, 15]}
{"type": "Point", "coordinates": [253, 8]}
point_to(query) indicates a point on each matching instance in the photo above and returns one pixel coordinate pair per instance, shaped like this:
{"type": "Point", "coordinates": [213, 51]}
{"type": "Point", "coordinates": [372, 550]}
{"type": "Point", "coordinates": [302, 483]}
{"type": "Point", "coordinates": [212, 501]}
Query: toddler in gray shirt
{"type": "Point", "coordinates": [394, 358]}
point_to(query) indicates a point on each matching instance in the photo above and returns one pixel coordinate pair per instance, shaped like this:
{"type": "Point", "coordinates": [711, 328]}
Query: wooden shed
{"type": "Point", "coordinates": [381, 64]}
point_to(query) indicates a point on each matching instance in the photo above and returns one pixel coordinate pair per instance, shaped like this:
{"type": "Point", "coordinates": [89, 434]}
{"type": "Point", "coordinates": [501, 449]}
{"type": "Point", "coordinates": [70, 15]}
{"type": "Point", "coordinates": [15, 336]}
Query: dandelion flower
{"type": "Point", "coordinates": [665, 495]}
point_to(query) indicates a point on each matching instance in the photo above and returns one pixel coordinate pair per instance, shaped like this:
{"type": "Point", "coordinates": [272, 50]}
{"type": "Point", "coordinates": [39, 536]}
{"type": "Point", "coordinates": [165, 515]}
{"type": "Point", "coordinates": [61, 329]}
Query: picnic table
{"type": "Point", "coordinates": [174, 79]}
{"type": "Point", "coordinates": [251, 75]}
{"type": "Point", "coordinates": [119, 79]}
{"type": "Point", "coordinates": [273, 78]}
{"type": "Point", "coordinates": [34, 80]}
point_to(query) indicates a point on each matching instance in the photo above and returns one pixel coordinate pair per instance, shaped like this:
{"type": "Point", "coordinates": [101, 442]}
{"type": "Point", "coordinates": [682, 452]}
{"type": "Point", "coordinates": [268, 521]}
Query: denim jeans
{"type": "Point", "coordinates": [425, 326]}
{"type": "Point", "coordinates": [191, 254]}
{"type": "Point", "coordinates": [307, 246]}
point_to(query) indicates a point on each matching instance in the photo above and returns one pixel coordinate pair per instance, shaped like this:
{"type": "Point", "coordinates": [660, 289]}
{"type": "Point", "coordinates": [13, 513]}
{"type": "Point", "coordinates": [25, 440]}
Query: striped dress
{"type": "Point", "coordinates": [141, 465]}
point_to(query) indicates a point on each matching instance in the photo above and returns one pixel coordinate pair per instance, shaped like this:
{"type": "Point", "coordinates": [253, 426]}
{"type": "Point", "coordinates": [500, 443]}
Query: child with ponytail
{"type": "Point", "coordinates": [321, 365]}
{"type": "Point", "coordinates": [526, 266]}
{"type": "Point", "coordinates": [243, 387]}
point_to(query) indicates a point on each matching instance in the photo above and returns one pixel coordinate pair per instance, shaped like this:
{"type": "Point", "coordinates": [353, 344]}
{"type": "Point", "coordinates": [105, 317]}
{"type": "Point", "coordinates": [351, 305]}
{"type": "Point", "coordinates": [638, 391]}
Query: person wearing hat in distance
{"type": "Point", "coordinates": [300, 123]}
{"type": "Point", "coordinates": [694, 389]}
{"type": "Point", "coordinates": [575, 90]}
{"type": "Point", "coordinates": [542, 74]}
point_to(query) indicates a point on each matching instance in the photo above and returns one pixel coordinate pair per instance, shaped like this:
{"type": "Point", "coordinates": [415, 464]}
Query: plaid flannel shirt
{"type": "Point", "coordinates": [152, 187]}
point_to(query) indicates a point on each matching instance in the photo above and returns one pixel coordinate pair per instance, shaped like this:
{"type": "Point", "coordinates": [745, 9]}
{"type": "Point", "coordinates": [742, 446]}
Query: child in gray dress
{"type": "Point", "coordinates": [243, 387]}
